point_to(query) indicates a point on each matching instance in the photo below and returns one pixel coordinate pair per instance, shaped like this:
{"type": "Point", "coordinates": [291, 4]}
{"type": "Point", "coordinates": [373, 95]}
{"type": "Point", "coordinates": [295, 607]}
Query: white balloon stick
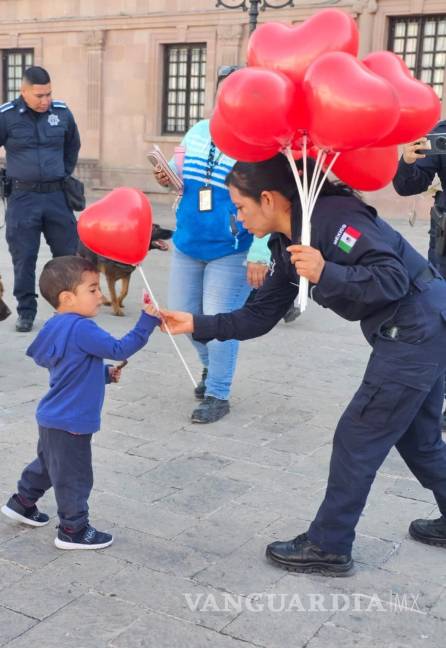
{"type": "Point", "coordinates": [155, 303]}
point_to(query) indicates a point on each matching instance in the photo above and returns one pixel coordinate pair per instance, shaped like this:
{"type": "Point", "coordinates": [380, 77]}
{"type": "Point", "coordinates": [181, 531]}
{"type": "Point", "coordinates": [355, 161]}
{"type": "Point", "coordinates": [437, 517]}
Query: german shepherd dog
{"type": "Point", "coordinates": [4, 310]}
{"type": "Point", "coordinates": [115, 271]}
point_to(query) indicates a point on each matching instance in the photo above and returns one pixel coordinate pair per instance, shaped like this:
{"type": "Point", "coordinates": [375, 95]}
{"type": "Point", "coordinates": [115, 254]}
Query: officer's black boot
{"type": "Point", "coordinates": [24, 324]}
{"type": "Point", "coordinates": [302, 555]}
{"type": "Point", "coordinates": [431, 532]}
{"type": "Point", "coordinates": [200, 389]}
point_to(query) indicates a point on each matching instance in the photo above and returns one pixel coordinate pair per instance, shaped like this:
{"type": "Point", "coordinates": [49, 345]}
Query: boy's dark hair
{"type": "Point", "coordinates": [36, 75]}
{"type": "Point", "coordinates": [63, 273]}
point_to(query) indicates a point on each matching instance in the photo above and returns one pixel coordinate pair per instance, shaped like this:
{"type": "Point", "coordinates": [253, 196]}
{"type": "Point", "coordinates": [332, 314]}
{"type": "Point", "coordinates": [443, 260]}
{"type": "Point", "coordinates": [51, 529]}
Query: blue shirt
{"type": "Point", "coordinates": [40, 147]}
{"type": "Point", "coordinates": [72, 347]}
{"type": "Point", "coordinates": [216, 233]}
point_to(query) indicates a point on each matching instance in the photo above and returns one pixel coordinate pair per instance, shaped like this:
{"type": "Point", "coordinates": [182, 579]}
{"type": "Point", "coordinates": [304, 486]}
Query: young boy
{"type": "Point", "coordinates": [72, 347]}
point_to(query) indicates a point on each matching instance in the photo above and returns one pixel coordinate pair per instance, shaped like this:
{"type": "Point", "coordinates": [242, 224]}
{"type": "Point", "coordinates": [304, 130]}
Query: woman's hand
{"type": "Point", "coordinates": [177, 322]}
{"type": "Point", "coordinates": [308, 261]}
{"type": "Point", "coordinates": [161, 177]}
{"type": "Point", "coordinates": [256, 273]}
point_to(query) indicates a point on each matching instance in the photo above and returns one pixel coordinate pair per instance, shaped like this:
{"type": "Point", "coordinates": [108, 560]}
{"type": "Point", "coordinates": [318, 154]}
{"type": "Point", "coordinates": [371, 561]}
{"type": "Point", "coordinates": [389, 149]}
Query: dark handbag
{"type": "Point", "coordinates": [74, 193]}
{"type": "Point", "coordinates": [438, 217]}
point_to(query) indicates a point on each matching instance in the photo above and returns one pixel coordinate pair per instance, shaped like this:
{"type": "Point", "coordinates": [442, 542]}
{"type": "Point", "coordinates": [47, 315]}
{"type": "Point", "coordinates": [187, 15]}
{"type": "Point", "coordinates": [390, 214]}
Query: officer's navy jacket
{"type": "Point", "coordinates": [369, 269]}
{"type": "Point", "coordinates": [40, 147]}
{"type": "Point", "coordinates": [415, 178]}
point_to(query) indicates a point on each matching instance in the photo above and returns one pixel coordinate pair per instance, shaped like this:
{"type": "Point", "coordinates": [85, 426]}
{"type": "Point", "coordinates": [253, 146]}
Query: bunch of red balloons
{"type": "Point", "coordinates": [307, 80]}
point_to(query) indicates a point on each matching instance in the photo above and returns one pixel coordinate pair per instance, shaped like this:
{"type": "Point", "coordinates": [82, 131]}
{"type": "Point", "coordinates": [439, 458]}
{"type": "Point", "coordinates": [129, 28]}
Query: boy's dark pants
{"type": "Point", "coordinates": [63, 462]}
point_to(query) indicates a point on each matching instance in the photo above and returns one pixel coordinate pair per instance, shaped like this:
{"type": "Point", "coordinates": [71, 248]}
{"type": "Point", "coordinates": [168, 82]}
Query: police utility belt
{"type": "Point", "coordinates": [39, 187]}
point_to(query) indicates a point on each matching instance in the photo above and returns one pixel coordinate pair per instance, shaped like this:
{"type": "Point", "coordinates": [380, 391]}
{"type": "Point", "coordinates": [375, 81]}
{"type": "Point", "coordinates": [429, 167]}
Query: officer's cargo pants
{"type": "Point", "coordinates": [28, 215]}
{"type": "Point", "coordinates": [399, 403]}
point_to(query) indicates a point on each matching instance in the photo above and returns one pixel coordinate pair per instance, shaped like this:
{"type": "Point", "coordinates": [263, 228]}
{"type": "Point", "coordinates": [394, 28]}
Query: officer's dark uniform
{"type": "Point", "coordinates": [412, 179]}
{"type": "Point", "coordinates": [41, 150]}
{"type": "Point", "coordinates": [374, 275]}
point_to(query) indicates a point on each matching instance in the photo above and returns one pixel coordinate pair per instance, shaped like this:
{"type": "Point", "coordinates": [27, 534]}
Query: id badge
{"type": "Point", "coordinates": [205, 199]}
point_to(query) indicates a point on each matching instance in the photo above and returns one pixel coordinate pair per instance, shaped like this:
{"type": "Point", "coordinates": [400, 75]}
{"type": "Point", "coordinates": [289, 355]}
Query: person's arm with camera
{"type": "Point", "coordinates": [419, 163]}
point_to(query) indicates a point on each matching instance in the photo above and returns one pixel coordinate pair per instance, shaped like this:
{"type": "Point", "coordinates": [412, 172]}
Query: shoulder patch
{"type": "Point", "coordinates": [59, 104]}
{"type": "Point", "coordinates": [346, 238]}
{"type": "Point", "coordinates": [6, 106]}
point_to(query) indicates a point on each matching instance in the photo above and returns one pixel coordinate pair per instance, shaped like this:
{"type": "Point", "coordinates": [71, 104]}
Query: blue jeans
{"type": "Point", "coordinates": [210, 287]}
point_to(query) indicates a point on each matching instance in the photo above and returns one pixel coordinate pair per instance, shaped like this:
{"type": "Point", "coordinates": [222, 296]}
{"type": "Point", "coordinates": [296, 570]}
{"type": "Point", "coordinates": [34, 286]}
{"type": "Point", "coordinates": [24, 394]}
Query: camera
{"type": "Point", "coordinates": [436, 144]}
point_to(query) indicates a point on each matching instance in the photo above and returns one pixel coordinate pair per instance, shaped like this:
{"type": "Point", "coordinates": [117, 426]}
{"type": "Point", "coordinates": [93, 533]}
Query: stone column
{"type": "Point", "coordinates": [229, 38]}
{"type": "Point", "coordinates": [365, 11]}
{"type": "Point", "coordinates": [94, 42]}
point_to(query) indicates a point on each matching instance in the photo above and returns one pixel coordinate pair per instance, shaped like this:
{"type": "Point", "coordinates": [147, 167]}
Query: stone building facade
{"type": "Point", "coordinates": [121, 64]}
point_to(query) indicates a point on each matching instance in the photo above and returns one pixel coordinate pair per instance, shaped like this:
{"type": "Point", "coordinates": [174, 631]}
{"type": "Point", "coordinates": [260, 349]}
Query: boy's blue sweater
{"type": "Point", "coordinates": [72, 347]}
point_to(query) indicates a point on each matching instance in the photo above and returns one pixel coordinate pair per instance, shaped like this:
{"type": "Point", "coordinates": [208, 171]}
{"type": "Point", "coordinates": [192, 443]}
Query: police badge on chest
{"type": "Point", "coordinates": [53, 120]}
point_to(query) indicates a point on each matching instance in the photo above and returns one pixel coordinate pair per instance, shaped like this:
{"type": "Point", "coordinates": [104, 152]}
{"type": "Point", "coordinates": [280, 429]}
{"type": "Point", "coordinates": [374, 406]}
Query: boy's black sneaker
{"type": "Point", "coordinates": [431, 532]}
{"type": "Point", "coordinates": [200, 389]}
{"type": "Point", "coordinates": [302, 555]}
{"type": "Point", "coordinates": [86, 538]}
{"type": "Point", "coordinates": [211, 409]}
{"type": "Point", "coordinates": [27, 515]}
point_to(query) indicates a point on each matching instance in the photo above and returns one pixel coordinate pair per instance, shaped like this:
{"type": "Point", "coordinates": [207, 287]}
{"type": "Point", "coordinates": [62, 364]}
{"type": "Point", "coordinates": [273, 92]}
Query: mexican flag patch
{"type": "Point", "coordinates": [348, 239]}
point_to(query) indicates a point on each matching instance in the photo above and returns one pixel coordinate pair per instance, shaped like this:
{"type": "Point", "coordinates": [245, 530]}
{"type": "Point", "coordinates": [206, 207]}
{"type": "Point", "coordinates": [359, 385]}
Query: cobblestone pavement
{"type": "Point", "coordinates": [192, 507]}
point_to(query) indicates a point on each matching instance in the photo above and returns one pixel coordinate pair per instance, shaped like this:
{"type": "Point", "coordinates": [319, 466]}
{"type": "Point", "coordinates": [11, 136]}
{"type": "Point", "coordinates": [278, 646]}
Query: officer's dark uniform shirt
{"type": "Point", "coordinates": [40, 147]}
{"type": "Point", "coordinates": [412, 179]}
{"type": "Point", "coordinates": [370, 271]}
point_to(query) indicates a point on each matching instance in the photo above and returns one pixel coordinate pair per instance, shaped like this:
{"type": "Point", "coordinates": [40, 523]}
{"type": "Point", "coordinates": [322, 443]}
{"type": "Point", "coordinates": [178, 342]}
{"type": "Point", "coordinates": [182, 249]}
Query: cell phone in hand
{"type": "Point", "coordinates": [436, 144]}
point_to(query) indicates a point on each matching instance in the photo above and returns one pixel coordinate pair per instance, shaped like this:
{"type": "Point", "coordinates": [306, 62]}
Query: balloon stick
{"type": "Point", "coordinates": [155, 303]}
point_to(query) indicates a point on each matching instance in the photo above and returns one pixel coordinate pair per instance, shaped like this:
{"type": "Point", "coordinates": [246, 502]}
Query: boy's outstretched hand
{"type": "Point", "coordinates": [177, 321]}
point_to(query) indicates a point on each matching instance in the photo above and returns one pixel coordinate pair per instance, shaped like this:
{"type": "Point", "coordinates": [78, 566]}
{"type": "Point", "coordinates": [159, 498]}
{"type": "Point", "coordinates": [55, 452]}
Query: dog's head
{"type": "Point", "coordinates": [159, 235]}
{"type": "Point", "coordinates": [4, 310]}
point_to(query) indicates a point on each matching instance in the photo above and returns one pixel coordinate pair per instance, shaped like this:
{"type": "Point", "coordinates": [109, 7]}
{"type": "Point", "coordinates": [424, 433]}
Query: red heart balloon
{"type": "Point", "coordinates": [367, 169]}
{"type": "Point", "coordinates": [119, 226]}
{"type": "Point", "coordinates": [236, 148]}
{"type": "Point", "coordinates": [260, 106]}
{"type": "Point", "coordinates": [420, 107]}
{"type": "Point", "coordinates": [291, 50]}
{"type": "Point", "coordinates": [350, 106]}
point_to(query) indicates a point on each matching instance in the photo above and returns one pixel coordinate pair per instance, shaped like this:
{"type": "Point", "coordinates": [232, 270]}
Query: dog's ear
{"type": "Point", "coordinates": [4, 310]}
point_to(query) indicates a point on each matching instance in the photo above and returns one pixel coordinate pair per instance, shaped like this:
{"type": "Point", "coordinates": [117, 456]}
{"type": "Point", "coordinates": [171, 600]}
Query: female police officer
{"type": "Point", "coordinates": [362, 269]}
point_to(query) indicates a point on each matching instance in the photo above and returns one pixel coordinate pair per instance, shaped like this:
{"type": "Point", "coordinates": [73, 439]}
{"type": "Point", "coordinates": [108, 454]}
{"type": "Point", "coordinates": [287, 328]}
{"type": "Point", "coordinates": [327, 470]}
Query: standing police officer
{"type": "Point", "coordinates": [361, 269]}
{"type": "Point", "coordinates": [42, 143]}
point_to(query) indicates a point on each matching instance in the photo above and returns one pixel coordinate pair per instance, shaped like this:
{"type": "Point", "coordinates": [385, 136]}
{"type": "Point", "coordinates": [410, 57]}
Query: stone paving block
{"type": "Point", "coordinates": [405, 629]}
{"type": "Point", "coordinates": [11, 573]}
{"type": "Point", "coordinates": [331, 635]}
{"type": "Point", "coordinates": [12, 625]}
{"type": "Point", "coordinates": [420, 560]}
{"type": "Point", "coordinates": [91, 621]}
{"type": "Point", "coordinates": [39, 597]}
{"type": "Point", "coordinates": [207, 494]}
{"type": "Point", "coordinates": [160, 592]}
{"type": "Point", "coordinates": [388, 517]}
{"type": "Point", "coordinates": [152, 518]}
{"type": "Point", "coordinates": [31, 549]}
{"type": "Point", "coordinates": [121, 461]}
{"type": "Point", "coordinates": [141, 489]}
{"type": "Point", "coordinates": [243, 572]}
{"type": "Point", "coordinates": [411, 489]}
{"type": "Point", "coordinates": [157, 554]}
{"type": "Point", "coordinates": [288, 613]}
{"type": "Point", "coordinates": [228, 528]}
{"type": "Point", "coordinates": [187, 468]}
{"type": "Point", "coordinates": [155, 631]}
{"type": "Point", "coordinates": [393, 589]}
